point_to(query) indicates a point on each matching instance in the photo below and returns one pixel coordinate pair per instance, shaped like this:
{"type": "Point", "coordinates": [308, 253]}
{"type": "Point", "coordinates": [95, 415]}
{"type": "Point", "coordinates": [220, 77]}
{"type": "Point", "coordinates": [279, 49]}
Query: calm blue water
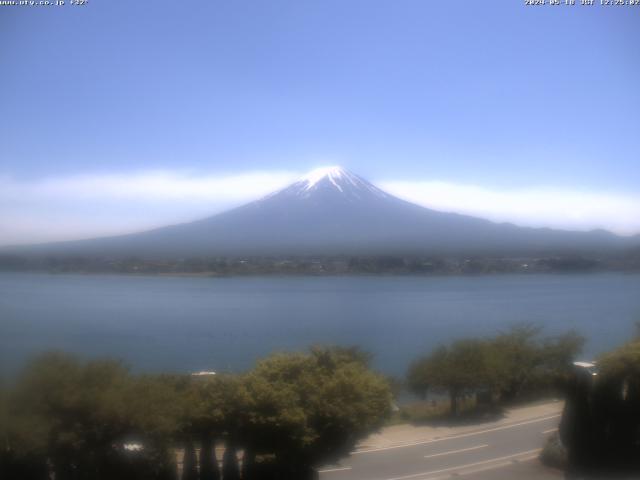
{"type": "Point", "coordinates": [186, 324]}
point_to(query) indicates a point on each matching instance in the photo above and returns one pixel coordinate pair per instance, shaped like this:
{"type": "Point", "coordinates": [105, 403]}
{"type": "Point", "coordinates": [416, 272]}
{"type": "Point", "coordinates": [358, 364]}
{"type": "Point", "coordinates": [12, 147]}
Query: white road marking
{"type": "Point", "coordinates": [453, 437]}
{"type": "Point", "coordinates": [494, 466]}
{"type": "Point", "coordinates": [550, 430]}
{"type": "Point", "coordinates": [339, 469]}
{"type": "Point", "coordinates": [451, 452]}
{"type": "Point", "coordinates": [484, 468]}
{"type": "Point", "coordinates": [460, 467]}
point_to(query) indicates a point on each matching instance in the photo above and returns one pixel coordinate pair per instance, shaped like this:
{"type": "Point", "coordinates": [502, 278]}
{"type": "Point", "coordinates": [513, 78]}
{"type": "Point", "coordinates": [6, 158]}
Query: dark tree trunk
{"type": "Point", "coordinates": [189, 462]}
{"type": "Point", "coordinates": [168, 471]}
{"type": "Point", "coordinates": [248, 464]}
{"type": "Point", "coordinates": [453, 394]}
{"type": "Point", "coordinates": [209, 469]}
{"type": "Point", "coordinates": [230, 470]}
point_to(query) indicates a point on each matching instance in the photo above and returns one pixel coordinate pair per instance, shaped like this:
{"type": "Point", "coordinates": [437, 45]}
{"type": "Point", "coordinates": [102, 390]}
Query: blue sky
{"type": "Point", "coordinates": [124, 115]}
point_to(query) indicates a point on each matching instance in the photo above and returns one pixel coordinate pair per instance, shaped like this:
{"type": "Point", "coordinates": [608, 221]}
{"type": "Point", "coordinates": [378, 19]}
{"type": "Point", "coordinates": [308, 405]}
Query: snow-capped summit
{"type": "Point", "coordinates": [333, 180]}
{"type": "Point", "coordinates": [333, 174]}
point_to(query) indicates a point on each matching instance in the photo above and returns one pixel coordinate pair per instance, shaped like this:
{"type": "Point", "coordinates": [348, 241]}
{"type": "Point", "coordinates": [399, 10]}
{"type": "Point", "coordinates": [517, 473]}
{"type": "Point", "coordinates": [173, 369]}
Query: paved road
{"type": "Point", "coordinates": [491, 451]}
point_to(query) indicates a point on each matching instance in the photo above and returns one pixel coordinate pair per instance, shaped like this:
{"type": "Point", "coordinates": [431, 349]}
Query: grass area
{"type": "Point", "coordinates": [437, 411]}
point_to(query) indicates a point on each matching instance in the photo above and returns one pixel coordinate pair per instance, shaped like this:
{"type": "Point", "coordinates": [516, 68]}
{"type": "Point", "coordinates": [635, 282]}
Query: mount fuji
{"type": "Point", "coordinates": [334, 211]}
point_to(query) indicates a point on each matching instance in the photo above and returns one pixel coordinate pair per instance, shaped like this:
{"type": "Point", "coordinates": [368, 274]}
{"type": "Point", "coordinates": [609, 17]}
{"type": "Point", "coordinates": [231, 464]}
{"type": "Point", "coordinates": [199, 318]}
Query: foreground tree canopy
{"type": "Point", "coordinates": [507, 366]}
{"type": "Point", "coordinates": [95, 420]}
{"type": "Point", "coordinates": [600, 424]}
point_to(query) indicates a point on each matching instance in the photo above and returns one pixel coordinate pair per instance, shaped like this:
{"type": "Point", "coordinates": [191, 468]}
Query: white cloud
{"type": "Point", "coordinates": [83, 206]}
{"type": "Point", "coordinates": [153, 185]}
{"type": "Point", "coordinates": [535, 207]}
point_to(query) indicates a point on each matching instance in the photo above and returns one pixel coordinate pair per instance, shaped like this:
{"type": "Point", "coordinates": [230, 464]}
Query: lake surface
{"type": "Point", "coordinates": [225, 324]}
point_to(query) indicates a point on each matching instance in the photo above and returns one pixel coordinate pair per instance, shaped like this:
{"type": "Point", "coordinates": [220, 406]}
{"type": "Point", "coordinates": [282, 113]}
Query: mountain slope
{"type": "Point", "coordinates": [333, 211]}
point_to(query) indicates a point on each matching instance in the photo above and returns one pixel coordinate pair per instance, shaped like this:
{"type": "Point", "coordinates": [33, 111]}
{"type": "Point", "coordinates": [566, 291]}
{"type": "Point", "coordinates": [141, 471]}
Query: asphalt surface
{"type": "Point", "coordinates": [492, 451]}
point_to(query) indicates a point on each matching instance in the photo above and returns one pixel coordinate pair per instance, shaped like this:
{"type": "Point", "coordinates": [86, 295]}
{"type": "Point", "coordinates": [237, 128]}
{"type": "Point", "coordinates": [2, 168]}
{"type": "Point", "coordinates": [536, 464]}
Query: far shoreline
{"type": "Point", "coordinates": [214, 275]}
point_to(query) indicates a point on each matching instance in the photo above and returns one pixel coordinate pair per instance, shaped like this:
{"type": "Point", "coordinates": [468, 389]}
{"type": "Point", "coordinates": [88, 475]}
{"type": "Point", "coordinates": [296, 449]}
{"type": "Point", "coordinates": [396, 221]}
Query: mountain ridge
{"type": "Point", "coordinates": [334, 211]}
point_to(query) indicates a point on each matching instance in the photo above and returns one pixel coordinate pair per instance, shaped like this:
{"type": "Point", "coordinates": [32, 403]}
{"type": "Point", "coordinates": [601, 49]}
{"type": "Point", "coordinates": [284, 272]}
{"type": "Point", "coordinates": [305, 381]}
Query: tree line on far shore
{"type": "Point", "coordinates": [628, 260]}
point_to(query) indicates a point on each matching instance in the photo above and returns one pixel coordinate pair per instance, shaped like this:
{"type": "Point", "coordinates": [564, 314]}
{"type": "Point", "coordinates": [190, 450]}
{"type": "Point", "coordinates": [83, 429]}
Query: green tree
{"type": "Point", "coordinates": [22, 444]}
{"type": "Point", "coordinates": [344, 354]}
{"type": "Point", "coordinates": [217, 414]}
{"type": "Point", "coordinates": [311, 409]}
{"type": "Point", "coordinates": [526, 362]}
{"type": "Point", "coordinates": [83, 414]}
{"type": "Point", "coordinates": [189, 461]}
{"type": "Point", "coordinates": [600, 423]}
{"type": "Point", "coordinates": [230, 468]}
{"type": "Point", "coordinates": [419, 375]}
{"type": "Point", "coordinates": [509, 364]}
{"type": "Point", "coordinates": [516, 355]}
{"type": "Point", "coordinates": [462, 368]}
{"type": "Point", "coordinates": [558, 352]}
{"type": "Point", "coordinates": [192, 424]}
{"type": "Point", "coordinates": [299, 409]}
{"type": "Point", "coordinates": [621, 365]}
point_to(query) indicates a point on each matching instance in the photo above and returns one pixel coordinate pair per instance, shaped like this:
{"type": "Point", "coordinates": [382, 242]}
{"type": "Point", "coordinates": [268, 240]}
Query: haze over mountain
{"type": "Point", "coordinates": [334, 211]}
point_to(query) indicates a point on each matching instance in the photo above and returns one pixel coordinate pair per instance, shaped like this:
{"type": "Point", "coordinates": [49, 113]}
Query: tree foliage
{"type": "Point", "coordinates": [621, 365]}
{"type": "Point", "coordinates": [79, 416]}
{"type": "Point", "coordinates": [508, 365]}
{"type": "Point", "coordinates": [96, 420]}
{"type": "Point", "coordinates": [313, 408]}
{"type": "Point", "coordinates": [461, 368]}
{"type": "Point", "coordinates": [600, 424]}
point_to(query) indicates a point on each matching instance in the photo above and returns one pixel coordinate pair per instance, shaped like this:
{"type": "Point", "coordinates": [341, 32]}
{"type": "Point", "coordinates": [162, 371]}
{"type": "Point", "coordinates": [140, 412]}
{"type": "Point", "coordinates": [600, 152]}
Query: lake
{"type": "Point", "coordinates": [185, 324]}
